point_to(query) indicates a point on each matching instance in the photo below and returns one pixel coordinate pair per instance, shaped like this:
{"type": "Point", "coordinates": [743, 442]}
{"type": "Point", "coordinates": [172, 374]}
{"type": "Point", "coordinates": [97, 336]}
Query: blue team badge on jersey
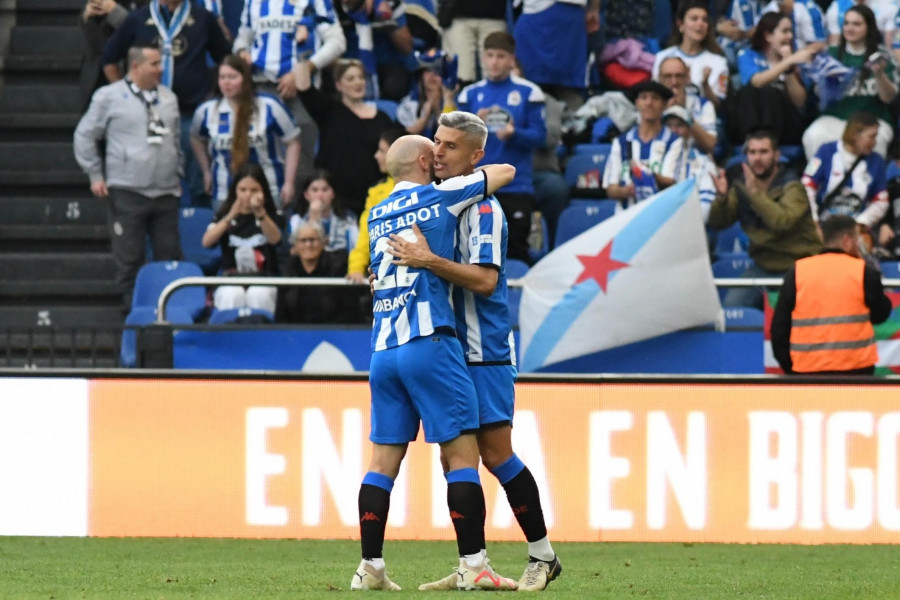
{"type": "Point", "coordinates": [496, 119]}
{"type": "Point", "coordinates": [514, 98]}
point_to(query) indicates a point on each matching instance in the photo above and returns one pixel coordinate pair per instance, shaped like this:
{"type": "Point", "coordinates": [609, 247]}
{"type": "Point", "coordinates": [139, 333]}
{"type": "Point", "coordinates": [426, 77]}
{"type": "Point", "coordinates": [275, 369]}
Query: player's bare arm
{"type": "Point", "coordinates": [416, 253]}
{"type": "Point", "coordinates": [498, 176]}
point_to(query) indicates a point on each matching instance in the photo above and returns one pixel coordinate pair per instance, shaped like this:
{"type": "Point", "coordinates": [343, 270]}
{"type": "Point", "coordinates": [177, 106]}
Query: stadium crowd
{"type": "Point", "coordinates": [784, 112]}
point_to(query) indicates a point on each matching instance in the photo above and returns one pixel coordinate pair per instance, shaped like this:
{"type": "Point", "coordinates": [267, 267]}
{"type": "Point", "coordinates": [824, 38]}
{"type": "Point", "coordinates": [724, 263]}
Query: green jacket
{"type": "Point", "coordinates": [777, 222]}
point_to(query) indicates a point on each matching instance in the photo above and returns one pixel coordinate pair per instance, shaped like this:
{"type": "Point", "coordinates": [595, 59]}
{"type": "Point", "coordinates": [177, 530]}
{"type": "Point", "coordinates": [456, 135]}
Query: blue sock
{"type": "Point", "coordinates": [508, 470]}
{"type": "Point", "coordinates": [379, 480]}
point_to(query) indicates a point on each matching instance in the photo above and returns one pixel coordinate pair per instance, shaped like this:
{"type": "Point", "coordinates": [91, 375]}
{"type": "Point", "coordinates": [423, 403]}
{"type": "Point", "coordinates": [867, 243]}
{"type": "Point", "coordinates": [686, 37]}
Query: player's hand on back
{"type": "Point", "coordinates": [410, 250]}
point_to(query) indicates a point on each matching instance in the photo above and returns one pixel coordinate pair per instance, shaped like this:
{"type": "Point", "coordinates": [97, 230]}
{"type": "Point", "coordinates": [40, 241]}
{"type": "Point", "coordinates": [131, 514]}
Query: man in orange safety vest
{"type": "Point", "coordinates": [826, 308]}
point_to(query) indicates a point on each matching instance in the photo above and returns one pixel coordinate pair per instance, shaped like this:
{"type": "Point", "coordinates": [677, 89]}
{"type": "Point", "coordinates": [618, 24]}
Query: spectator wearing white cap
{"type": "Point", "coordinates": [684, 159]}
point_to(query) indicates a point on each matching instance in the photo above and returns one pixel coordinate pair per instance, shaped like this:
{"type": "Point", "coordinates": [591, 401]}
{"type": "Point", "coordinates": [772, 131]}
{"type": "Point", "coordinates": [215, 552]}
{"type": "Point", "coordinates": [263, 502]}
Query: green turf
{"type": "Point", "coordinates": [60, 568]}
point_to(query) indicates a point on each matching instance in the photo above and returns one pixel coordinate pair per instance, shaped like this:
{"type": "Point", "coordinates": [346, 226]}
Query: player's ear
{"type": "Point", "coordinates": [477, 156]}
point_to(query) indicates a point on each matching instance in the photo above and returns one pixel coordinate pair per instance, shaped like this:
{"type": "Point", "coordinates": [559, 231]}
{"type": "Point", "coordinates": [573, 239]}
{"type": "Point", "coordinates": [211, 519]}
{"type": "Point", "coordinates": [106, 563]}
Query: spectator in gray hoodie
{"type": "Point", "coordinates": [138, 120]}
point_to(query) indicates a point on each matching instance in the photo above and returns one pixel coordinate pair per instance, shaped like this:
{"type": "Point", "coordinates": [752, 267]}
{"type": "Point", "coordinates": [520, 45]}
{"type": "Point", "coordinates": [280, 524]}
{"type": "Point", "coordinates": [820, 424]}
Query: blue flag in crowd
{"type": "Point", "coordinates": [642, 273]}
{"type": "Point", "coordinates": [830, 77]}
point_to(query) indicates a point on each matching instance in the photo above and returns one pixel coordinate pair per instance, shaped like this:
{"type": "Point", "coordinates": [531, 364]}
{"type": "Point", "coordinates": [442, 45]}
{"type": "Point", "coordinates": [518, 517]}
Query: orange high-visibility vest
{"type": "Point", "coordinates": [830, 327]}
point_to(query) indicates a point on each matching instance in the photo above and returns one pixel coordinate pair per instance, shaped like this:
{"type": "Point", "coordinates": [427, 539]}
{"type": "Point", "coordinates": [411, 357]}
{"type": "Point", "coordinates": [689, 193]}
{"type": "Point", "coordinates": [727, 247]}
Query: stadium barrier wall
{"type": "Point", "coordinates": [616, 459]}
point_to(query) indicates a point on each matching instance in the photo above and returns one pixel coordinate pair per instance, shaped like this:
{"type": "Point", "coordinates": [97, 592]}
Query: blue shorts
{"type": "Point", "coordinates": [496, 388]}
{"type": "Point", "coordinates": [423, 380]}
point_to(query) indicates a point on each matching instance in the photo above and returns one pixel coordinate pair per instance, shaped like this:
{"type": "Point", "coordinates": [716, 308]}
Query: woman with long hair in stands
{"type": "Point", "coordinates": [319, 204]}
{"type": "Point", "coordinates": [871, 88]}
{"type": "Point", "coordinates": [248, 227]}
{"type": "Point", "coordinates": [694, 42]}
{"type": "Point", "coordinates": [773, 93]}
{"type": "Point", "coordinates": [242, 126]}
{"type": "Point", "coordinates": [349, 128]}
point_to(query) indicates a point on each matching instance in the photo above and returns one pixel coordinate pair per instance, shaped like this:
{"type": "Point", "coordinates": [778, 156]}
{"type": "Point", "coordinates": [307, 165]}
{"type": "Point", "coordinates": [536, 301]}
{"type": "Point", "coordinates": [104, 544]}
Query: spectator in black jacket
{"type": "Point", "coordinates": [315, 304]}
{"type": "Point", "coordinates": [185, 33]}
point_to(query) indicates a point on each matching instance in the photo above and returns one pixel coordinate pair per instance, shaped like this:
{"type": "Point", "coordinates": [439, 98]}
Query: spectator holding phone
{"type": "Point", "coordinates": [434, 93]}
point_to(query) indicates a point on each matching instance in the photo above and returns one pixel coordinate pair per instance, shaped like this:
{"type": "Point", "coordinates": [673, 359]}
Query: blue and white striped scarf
{"type": "Point", "coordinates": [168, 34]}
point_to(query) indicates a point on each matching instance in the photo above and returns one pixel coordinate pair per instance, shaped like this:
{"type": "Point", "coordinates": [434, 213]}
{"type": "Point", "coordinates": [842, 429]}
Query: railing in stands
{"type": "Point", "coordinates": [99, 346]}
{"type": "Point", "coordinates": [329, 281]}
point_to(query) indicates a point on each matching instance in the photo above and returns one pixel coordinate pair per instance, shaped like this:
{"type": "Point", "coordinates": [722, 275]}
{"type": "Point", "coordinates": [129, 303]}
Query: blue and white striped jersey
{"type": "Point", "coordinates": [271, 127]}
{"type": "Point", "coordinates": [864, 194]}
{"type": "Point", "coordinates": [628, 149]}
{"type": "Point", "coordinates": [684, 160]}
{"type": "Point", "coordinates": [745, 14]}
{"type": "Point", "coordinates": [482, 323]}
{"type": "Point", "coordinates": [213, 6]}
{"type": "Point", "coordinates": [808, 20]}
{"type": "Point", "coordinates": [273, 26]}
{"type": "Point", "coordinates": [408, 302]}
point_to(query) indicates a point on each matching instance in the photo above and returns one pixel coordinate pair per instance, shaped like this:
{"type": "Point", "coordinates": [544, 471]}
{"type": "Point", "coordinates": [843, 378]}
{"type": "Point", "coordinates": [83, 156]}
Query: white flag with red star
{"type": "Point", "coordinates": [641, 273]}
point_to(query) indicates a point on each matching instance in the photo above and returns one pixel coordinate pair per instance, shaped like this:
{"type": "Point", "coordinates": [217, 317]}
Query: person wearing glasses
{"type": "Point", "coordinates": [315, 304]}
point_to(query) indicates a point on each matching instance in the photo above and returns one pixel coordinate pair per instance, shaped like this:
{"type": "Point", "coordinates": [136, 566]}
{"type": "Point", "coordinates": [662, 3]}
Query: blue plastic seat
{"type": "Point", "coordinates": [892, 170]}
{"type": "Point", "coordinates": [890, 270]}
{"type": "Point", "coordinates": [579, 217]}
{"type": "Point", "coordinates": [144, 315]}
{"type": "Point", "coordinates": [222, 317]}
{"type": "Point", "coordinates": [732, 240]}
{"type": "Point", "coordinates": [730, 267]}
{"type": "Point", "coordinates": [155, 276]}
{"type": "Point", "coordinates": [592, 149]}
{"type": "Point", "coordinates": [601, 129]}
{"type": "Point", "coordinates": [192, 224]}
{"type": "Point", "coordinates": [744, 316]}
{"type": "Point", "coordinates": [606, 208]}
{"type": "Point", "coordinates": [793, 154]}
{"type": "Point", "coordinates": [585, 170]}
{"type": "Point", "coordinates": [388, 107]}
{"type": "Point", "coordinates": [515, 269]}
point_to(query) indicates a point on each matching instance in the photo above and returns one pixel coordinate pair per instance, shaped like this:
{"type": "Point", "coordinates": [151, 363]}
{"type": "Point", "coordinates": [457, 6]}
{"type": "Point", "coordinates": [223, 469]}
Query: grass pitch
{"type": "Point", "coordinates": [155, 569]}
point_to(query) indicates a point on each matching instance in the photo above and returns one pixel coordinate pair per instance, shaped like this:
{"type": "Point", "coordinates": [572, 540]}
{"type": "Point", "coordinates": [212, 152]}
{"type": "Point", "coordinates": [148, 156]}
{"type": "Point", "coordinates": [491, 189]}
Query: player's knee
{"type": "Point", "coordinates": [495, 447]}
{"type": "Point", "coordinates": [386, 459]}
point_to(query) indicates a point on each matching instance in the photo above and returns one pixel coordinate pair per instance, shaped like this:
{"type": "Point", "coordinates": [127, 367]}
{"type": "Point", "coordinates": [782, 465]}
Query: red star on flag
{"type": "Point", "coordinates": [599, 267]}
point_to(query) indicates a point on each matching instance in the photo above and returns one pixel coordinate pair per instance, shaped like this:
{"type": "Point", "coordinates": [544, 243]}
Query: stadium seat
{"type": "Point", "coordinates": [603, 127]}
{"type": "Point", "coordinates": [592, 149]}
{"type": "Point", "coordinates": [730, 267]}
{"type": "Point", "coordinates": [586, 170]}
{"type": "Point", "coordinates": [732, 240]}
{"type": "Point", "coordinates": [607, 208]}
{"type": "Point", "coordinates": [192, 224]}
{"type": "Point", "coordinates": [155, 276]}
{"type": "Point", "coordinates": [515, 269]}
{"type": "Point", "coordinates": [144, 315]}
{"type": "Point", "coordinates": [578, 218]}
{"type": "Point", "coordinates": [258, 315]}
{"type": "Point", "coordinates": [735, 160]}
{"type": "Point", "coordinates": [890, 270]}
{"type": "Point", "coordinates": [893, 170]}
{"type": "Point", "coordinates": [744, 316]}
{"type": "Point", "coordinates": [793, 154]}
{"type": "Point", "coordinates": [388, 107]}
